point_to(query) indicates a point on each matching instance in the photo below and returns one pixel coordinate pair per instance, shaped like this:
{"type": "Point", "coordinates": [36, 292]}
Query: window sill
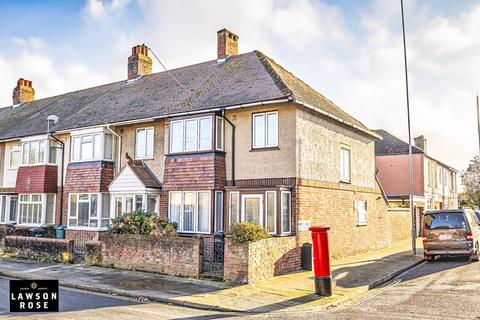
{"type": "Point", "coordinates": [144, 158]}
{"type": "Point", "coordinates": [86, 229]}
{"type": "Point", "coordinates": [193, 152]}
{"type": "Point", "coordinates": [362, 224]}
{"type": "Point", "coordinates": [345, 182]}
{"type": "Point", "coordinates": [264, 149]}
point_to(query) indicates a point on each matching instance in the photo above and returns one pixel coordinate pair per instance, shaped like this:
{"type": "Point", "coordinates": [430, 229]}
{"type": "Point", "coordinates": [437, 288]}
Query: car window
{"type": "Point", "coordinates": [477, 216]}
{"type": "Point", "coordinates": [455, 220]}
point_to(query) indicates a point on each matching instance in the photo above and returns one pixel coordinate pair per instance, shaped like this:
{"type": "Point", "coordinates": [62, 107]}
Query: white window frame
{"type": "Point", "coordinates": [145, 155]}
{"type": "Point", "coordinates": [125, 195]}
{"type": "Point", "coordinates": [274, 211]}
{"type": "Point", "coordinates": [195, 211]}
{"type": "Point", "coordinates": [43, 208]}
{"type": "Point", "coordinates": [220, 144]}
{"type": "Point", "coordinates": [239, 204]}
{"type": "Point", "coordinates": [197, 135]}
{"type": "Point", "coordinates": [264, 143]}
{"type": "Point", "coordinates": [99, 217]}
{"type": "Point", "coordinates": [15, 149]}
{"type": "Point", "coordinates": [362, 217]}
{"type": "Point", "coordinates": [219, 195]}
{"type": "Point", "coordinates": [5, 203]}
{"type": "Point", "coordinates": [289, 212]}
{"type": "Point", "coordinates": [261, 205]}
{"type": "Point", "coordinates": [91, 135]}
{"type": "Point", "coordinates": [343, 177]}
{"type": "Point", "coordinates": [46, 156]}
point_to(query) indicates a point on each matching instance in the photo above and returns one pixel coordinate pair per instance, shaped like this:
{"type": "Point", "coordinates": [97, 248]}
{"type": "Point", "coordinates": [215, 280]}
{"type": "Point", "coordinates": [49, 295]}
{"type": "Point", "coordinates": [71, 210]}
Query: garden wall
{"type": "Point", "coordinates": [43, 249]}
{"type": "Point", "coordinates": [401, 221]}
{"type": "Point", "coordinates": [176, 256]}
{"type": "Point", "coordinates": [253, 261]}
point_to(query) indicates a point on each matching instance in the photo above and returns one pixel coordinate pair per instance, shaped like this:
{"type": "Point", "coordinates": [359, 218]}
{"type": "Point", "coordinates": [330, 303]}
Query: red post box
{"type": "Point", "coordinates": [321, 261]}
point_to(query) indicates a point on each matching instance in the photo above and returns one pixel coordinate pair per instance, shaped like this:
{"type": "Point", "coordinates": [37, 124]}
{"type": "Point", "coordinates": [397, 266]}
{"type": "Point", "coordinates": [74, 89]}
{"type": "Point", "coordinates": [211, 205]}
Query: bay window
{"type": "Point", "coordinates": [271, 214]}
{"type": "Point", "coordinates": [124, 203]}
{"type": "Point", "coordinates": [286, 208]}
{"type": "Point", "coordinates": [191, 135]}
{"type": "Point", "coordinates": [88, 210]}
{"type": "Point", "coordinates": [37, 152]}
{"type": "Point", "coordinates": [144, 143]}
{"type": "Point", "coordinates": [252, 208]}
{"type": "Point", "coordinates": [8, 208]}
{"type": "Point", "coordinates": [234, 207]}
{"type": "Point", "coordinates": [219, 138]}
{"type": "Point", "coordinates": [191, 210]}
{"type": "Point", "coordinates": [36, 209]}
{"type": "Point", "coordinates": [265, 130]}
{"type": "Point", "coordinates": [94, 146]}
{"type": "Point", "coordinates": [218, 211]}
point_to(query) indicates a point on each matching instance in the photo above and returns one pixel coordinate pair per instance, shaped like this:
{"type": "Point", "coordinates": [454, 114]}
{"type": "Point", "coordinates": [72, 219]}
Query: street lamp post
{"type": "Point", "coordinates": [410, 157]}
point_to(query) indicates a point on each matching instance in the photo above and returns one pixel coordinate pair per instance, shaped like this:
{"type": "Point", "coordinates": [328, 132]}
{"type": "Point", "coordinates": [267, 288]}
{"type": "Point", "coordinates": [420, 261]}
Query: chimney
{"type": "Point", "coordinates": [23, 92]}
{"type": "Point", "coordinates": [139, 63]}
{"type": "Point", "coordinates": [227, 44]}
{"type": "Point", "coordinates": [421, 142]}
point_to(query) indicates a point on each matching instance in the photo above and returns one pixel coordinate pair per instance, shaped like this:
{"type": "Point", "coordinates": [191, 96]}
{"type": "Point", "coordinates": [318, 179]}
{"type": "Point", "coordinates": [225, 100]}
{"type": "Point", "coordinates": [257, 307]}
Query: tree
{"type": "Point", "coordinates": [471, 181]}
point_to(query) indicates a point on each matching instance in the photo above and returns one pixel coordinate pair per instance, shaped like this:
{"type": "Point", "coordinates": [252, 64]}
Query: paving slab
{"type": "Point", "coordinates": [292, 292]}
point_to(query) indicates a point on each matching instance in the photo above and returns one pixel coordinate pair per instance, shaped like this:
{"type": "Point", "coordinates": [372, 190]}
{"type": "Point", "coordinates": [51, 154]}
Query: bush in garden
{"type": "Point", "coordinates": [247, 231]}
{"type": "Point", "coordinates": [140, 222]}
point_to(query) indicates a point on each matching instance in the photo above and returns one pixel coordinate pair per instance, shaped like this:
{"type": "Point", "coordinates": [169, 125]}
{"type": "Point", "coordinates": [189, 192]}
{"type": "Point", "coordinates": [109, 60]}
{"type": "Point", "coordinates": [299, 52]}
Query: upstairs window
{"type": "Point", "coordinates": [37, 152]}
{"type": "Point", "coordinates": [265, 130]}
{"type": "Point", "coordinates": [15, 157]}
{"type": "Point", "coordinates": [220, 137]}
{"type": "Point", "coordinates": [191, 135]}
{"type": "Point", "coordinates": [345, 174]}
{"type": "Point", "coordinates": [144, 143]}
{"type": "Point", "coordinates": [88, 147]}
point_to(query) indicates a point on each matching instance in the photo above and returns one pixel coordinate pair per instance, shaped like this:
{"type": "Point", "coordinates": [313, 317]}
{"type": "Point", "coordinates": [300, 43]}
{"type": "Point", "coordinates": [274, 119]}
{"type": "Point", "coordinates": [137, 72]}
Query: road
{"type": "Point", "coordinates": [445, 289]}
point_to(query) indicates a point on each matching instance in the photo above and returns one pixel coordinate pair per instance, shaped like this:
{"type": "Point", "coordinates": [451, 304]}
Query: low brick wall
{"type": "Point", "coordinates": [401, 221]}
{"type": "Point", "coordinates": [43, 249]}
{"type": "Point", "coordinates": [177, 256]}
{"type": "Point", "coordinates": [253, 261]}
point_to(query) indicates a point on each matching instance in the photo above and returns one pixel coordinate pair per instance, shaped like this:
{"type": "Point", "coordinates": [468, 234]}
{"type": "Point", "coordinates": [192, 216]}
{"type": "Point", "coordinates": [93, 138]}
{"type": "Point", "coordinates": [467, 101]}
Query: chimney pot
{"type": "Point", "coordinates": [227, 44]}
{"type": "Point", "coordinates": [139, 63]}
{"type": "Point", "coordinates": [23, 92]}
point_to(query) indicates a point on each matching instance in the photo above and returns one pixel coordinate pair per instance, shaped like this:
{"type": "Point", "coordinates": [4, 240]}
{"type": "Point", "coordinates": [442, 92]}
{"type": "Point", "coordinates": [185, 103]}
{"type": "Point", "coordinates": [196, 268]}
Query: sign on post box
{"type": "Point", "coordinates": [321, 261]}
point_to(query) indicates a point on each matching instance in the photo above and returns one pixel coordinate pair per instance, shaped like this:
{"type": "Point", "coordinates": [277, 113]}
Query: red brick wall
{"type": "Point", "coordinates": [93, 176]}
{"type": "Point", "coordinates": [194, 172]}
{"type": "Point", "coordinates": [37, 179]}
{"type": "Point", "coordinates": [178, 256]}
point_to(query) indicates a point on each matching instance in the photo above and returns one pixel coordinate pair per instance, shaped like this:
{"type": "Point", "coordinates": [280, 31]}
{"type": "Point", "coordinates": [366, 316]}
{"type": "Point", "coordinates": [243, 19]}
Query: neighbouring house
{"type": "Point", "coordinates": [434, 182]}
{"type": "Point", "coordinates": [237, 138]}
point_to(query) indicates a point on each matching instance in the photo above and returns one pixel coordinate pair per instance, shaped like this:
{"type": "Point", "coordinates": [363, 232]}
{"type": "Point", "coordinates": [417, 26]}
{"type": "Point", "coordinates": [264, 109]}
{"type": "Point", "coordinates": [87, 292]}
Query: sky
{"type": "Point", "coordinates": [350, 51]}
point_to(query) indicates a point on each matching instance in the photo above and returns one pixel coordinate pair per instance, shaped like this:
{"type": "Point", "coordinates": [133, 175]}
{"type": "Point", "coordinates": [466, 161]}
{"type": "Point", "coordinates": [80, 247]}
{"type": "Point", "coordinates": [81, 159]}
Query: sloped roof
{"type": "Point", "coordinates": [391, 145]}
{"type": "Point", "coordinates": [246, 78]}
{"type": "Point", "coordinates": [145, 175]}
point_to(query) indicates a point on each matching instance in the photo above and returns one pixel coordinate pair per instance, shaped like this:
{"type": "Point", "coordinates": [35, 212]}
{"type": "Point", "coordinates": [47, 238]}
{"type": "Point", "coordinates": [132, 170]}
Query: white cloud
{"type": "Point", "coordinates": [357, 64]}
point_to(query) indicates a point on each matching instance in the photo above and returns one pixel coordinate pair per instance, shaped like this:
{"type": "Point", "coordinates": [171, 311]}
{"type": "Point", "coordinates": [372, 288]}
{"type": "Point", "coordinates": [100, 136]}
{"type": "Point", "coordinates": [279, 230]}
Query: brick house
{"type": "Point", "coordinates": [237, 138]}
{"type": "Point", "coordinates": [435, 183]}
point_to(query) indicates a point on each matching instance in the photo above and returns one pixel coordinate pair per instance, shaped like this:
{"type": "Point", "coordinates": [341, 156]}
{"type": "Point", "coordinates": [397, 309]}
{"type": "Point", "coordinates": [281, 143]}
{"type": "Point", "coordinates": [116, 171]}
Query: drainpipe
{"type": "Point", "coordinates": [61, 176]}
{"type": "Point", "coordinates": [119, 146]}
{"type": "Point", "coordinates": [233, 146]}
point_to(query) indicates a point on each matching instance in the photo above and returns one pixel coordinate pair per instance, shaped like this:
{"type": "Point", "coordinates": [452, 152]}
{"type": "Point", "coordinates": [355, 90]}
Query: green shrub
{"type": "Point", "coordinates": [140, 222]}
{"type": "Point", "coordinates": [247, 231]}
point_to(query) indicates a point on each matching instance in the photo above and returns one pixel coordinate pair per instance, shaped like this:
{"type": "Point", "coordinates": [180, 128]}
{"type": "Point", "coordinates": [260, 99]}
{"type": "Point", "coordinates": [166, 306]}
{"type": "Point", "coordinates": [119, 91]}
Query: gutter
{"type": "Point", "coordinates": [119, 151]}
{"type": "Point", "coordinates": [329, 115]}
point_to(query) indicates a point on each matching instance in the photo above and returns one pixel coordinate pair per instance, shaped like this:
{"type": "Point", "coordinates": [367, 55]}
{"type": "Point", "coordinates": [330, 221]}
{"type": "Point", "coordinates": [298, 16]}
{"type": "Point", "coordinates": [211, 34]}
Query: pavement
{"type": "Point", "coordinates": [293, 292]}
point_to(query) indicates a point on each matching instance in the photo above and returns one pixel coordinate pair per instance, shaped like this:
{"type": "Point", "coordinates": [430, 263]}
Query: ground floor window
{"type": "Point", "coordinates": [88, 210]}
{"type": "Point", "coordinates": [123, 203]}
{"type": "Point", "coordinates": [264, 208]}
{"type": "Point", "coordinates": [8, 208]}
{"type": "Point", "coordinates": [36, 209]}
{"type": "Point", "coordinates": [191, 210]}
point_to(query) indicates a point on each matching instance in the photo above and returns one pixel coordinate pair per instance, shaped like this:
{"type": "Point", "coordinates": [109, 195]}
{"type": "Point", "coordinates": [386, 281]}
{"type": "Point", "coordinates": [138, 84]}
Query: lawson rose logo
{"type": "Point", "coordinates": [34, 296]}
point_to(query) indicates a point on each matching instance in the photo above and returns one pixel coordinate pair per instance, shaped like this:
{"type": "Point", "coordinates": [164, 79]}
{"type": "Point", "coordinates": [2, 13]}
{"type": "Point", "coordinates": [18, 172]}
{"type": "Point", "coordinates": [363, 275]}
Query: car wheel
{"type": "Point", "coordinates": [429, 258]}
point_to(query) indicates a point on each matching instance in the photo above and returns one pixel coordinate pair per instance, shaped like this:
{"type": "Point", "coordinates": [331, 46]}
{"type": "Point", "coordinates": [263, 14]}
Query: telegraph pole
{"type": "Point", "coordinates": [410, 157]}
{"type": "Point", "coordinates": [478, 123]}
